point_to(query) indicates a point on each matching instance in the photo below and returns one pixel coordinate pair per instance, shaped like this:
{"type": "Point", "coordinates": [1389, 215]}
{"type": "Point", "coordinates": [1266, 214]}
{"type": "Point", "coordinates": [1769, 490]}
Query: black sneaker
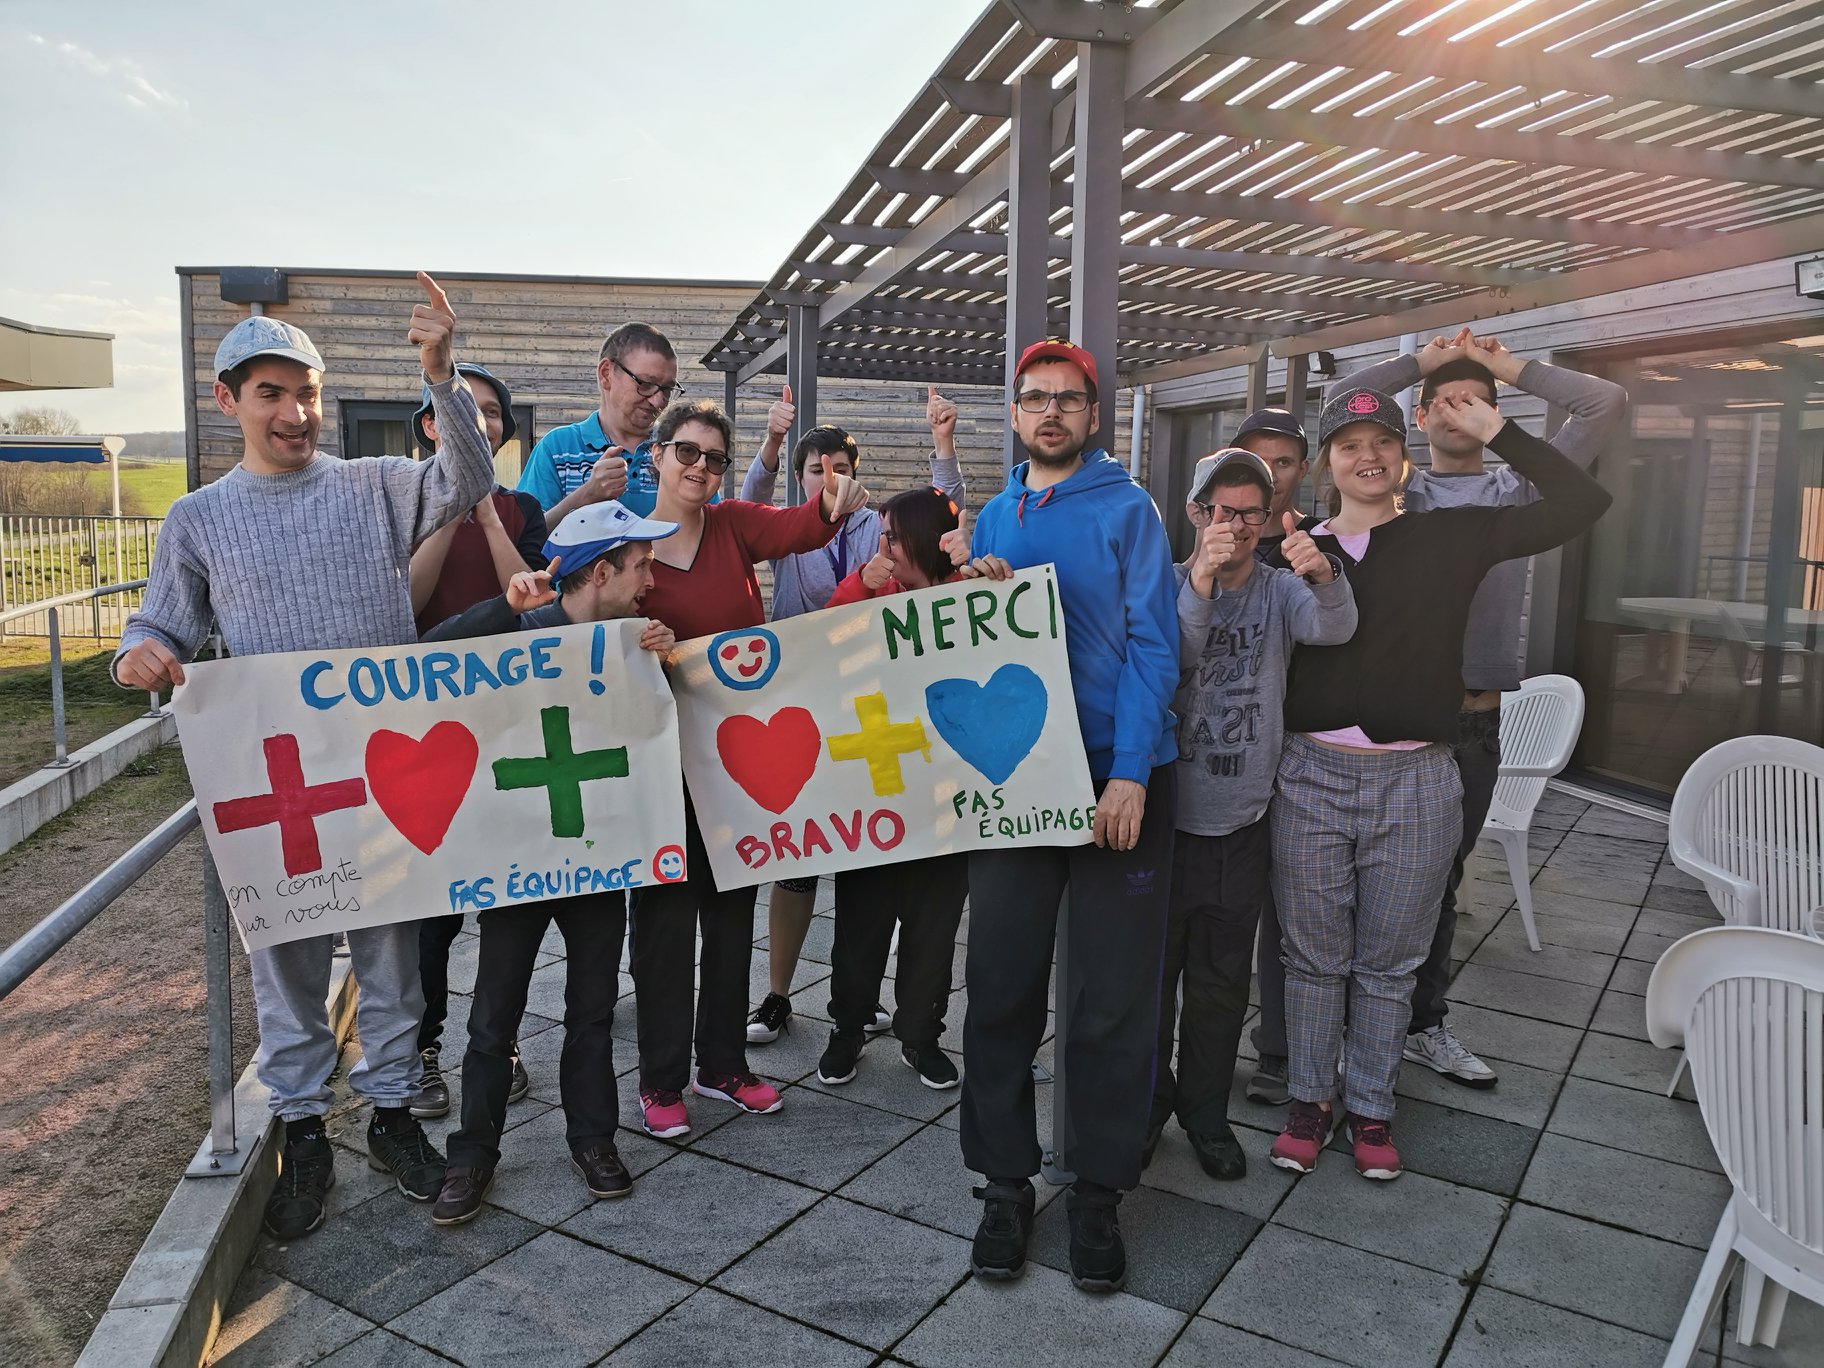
{"type": "Point", "coordinates": [433, 1095]}
{"type": "Point", "coordinates": [405, 1151]}
{"type": "Point", "coordinates": [522, 1081]}
{"type": "Point", "coordinates": [934, 1068]}
{"type": "Point", "coordinates": [602, 1170]}
{"type": "Point", "coordinates": [883, 1021]}
{"type": "Point", "coordinates": [1220, 1154]}
{"type": "Point", "coordinates": [1098, 1258]}
{"type": "Point", "coordinates": [999, 1251]}
{"type": "Point", "coordinates": [459, 1199]}
{"type": "Point", "coordinates": [772, 1017]}
{"type": "Point", "coordinates": [307, 1171]}
{"type": "Point", "coordinates": [840, 1056]}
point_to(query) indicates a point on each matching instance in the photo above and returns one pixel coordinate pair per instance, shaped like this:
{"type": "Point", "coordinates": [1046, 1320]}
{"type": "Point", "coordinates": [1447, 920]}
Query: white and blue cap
{"type": "Point", "coordinates": [588, 534]}
{"type": "Point", "coordinates": [262, 335]}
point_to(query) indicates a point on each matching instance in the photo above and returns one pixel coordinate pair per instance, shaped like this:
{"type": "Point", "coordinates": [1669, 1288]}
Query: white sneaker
{"type": "Point", "coordinates": [1439, 1050]}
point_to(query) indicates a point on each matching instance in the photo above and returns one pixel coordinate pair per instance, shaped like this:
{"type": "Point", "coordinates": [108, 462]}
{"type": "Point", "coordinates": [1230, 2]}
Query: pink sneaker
{"type": "Point", "coordinates": [1375, 1156]}
{"type": "Point", "coordinates": [664, 1111]}
{"type": "Point", "coordinates": [744, 1090]}
{"type": "Point", "coordinates": [1307, 1132]}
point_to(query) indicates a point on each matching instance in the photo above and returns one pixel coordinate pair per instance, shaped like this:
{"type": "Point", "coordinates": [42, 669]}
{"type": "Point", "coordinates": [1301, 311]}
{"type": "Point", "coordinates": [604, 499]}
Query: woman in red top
{"type": "Point", "coordinates": [704, 583]}
{"type": "Point", "coordinates": [925, 897]}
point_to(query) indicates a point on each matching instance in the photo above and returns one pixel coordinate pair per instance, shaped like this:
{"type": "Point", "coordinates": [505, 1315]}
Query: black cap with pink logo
{"type": "Point", "coordinates": [1360, 406]}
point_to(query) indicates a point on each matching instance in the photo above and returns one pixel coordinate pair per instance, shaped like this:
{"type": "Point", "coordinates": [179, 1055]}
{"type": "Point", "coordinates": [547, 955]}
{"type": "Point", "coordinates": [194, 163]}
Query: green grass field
{"type": "Point", "coordinates": [149, 488]}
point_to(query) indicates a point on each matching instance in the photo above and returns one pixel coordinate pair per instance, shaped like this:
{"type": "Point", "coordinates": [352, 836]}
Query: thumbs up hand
{"type": "Point", "coordinates": [1301, 553]}
{"type": "Point", "coordinates": [940, 413]}
{"type": "Point", "coordinates": [433, 327]}
{"type": "Point", "coordinates": [781, 414]}
{"type": "Point", "coordinates": [878, 570]}
{"type": "Point", "coordinates": [1215, 549]}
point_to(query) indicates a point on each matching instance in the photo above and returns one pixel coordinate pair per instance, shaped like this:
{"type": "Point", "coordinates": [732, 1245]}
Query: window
{"type": "Point", "coordinates": [373, 427]}
{"type": "Point", "coordinates": [1701, 612]}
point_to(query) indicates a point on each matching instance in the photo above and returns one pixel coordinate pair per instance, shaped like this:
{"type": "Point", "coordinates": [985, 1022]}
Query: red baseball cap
{"type": "Point", "coordinates": [1057, 349]}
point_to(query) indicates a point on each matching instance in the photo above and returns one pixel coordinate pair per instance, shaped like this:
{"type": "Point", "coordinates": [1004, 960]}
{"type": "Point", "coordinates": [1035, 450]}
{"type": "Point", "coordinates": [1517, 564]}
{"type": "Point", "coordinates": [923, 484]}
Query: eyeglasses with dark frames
{"type": "Point", "coordinates": [650, 388]}
{"type": "Point", "coordinates": [1038, 400]}
{"type": "Point", "coordinates": [688, 453]}
{"type": "Point", "coordinates": [1251, 517]}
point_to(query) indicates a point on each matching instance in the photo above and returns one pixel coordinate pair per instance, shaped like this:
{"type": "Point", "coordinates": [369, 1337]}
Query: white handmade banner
{"type": "Point", "coordinates": [356, 788]}
{"type": "Point", "coordinates": [916, 724]}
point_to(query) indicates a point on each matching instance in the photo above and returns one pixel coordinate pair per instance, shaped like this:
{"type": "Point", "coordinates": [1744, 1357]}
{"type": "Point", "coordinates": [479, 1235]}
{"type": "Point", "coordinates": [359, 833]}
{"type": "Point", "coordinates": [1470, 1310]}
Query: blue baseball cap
{"type": "Point", "coordinates": [507, 426]}
{"type": "Point", "coordinates": [588, 534]}
{"type": "Point", "coordinates": [263, 335]}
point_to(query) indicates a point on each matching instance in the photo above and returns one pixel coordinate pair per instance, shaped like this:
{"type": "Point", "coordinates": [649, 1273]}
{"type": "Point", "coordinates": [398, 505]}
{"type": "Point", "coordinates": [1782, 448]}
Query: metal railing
{"type": "Point", "coordinates": [49, 608]}
{"type": "Point", "coordinates": [42, 558]}
{"type": "Point", "coordinates": [20, 960]}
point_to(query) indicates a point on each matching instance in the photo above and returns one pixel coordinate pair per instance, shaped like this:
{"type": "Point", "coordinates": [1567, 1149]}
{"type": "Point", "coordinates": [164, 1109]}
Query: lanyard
{"type": "Point", "coordinates": [838, 552]}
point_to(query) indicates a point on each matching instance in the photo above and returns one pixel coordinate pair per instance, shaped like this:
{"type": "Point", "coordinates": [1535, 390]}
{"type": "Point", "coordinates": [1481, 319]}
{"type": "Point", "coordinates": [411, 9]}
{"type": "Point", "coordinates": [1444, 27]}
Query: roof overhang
{"type": "Point", "coordinates": [1297, 175]}
{"type": "Point", "coordinates": [22, 446]}
{"type": "Point", "coordinates": [38, 358]}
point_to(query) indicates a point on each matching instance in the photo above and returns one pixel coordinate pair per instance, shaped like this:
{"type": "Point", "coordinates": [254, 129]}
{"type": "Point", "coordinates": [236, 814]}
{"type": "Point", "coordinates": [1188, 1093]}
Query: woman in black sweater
{"type": "Point", "coordinates": [1368, 809]}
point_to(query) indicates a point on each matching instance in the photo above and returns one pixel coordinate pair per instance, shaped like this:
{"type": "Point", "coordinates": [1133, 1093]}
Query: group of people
{"type": "Point", "coordinates": [1292, 737]}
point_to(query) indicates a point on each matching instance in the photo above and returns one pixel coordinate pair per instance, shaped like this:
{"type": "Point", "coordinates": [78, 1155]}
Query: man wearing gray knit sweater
{"type": "Point", "coordinates": [295, 550]}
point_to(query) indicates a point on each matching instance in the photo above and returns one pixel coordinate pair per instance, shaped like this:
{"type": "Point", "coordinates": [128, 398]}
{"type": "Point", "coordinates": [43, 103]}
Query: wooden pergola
{"type": "Point", "coordinates": [1190, 185]}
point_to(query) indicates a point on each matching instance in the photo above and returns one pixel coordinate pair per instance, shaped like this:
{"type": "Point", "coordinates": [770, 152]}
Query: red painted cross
{"type": "Point", "coordinates": [293, 804]}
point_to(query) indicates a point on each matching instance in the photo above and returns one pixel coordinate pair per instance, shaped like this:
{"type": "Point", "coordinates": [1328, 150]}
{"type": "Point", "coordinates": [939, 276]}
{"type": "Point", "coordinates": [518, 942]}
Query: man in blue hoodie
{"type": "Point", "coordinates": [1079, 510]}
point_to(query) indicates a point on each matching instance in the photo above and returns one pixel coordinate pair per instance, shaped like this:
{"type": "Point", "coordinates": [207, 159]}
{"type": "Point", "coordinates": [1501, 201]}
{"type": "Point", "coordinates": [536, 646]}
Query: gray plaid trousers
{"type": "Point", "coordinates": [1362, 845]}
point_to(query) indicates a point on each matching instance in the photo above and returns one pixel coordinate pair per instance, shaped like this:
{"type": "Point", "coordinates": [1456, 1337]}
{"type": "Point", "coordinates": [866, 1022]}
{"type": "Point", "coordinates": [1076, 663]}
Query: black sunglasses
{"type": "Point", "coordinates": [716, 462]}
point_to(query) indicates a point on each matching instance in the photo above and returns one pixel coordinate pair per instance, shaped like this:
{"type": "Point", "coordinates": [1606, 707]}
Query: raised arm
{"type": "Point", "coordinates": [427, 565]}
{"type": "Point", "coordinates": [440, 490]}
{"type": "Point", "coordinates": [763, 471]}
{"type": "Point", "coordinates": [1597, 407]}
{"type": "Point", "coordinates": [946, 469]}
{"type": "Point", "coordinates": [1570, 500]}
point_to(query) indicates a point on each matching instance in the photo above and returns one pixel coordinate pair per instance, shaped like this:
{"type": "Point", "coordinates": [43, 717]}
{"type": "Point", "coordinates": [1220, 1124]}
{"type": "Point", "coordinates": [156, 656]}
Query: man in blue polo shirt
{"type": "Point", "coordinates": [609, 454]}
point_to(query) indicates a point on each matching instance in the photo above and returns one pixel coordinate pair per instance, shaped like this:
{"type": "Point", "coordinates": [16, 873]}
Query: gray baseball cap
{"type": "Point", "coordinates": [1229, 458]}
{"type": "Point", "coordinates": [261, 335]}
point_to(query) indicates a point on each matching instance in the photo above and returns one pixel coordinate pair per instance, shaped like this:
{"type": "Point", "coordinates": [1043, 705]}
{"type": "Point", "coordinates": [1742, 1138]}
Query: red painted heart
{"type": "Point", "coordinates": [771, 761]}
{"type": "Point", "coordinates": [420, 784]}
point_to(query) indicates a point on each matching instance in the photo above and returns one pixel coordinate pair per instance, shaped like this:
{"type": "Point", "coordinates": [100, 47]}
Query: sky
{"type": "Point", "coordinates": [695, 138]}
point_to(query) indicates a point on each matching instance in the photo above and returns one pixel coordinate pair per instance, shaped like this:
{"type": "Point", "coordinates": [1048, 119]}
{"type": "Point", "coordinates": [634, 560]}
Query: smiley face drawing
{"type": "Point", "coordinates": [745, 659]}
{"type": "Point", "coordinates": [668, 863]}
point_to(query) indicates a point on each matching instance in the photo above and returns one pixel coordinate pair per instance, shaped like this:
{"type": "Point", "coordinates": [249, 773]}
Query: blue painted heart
{"type": "Point", "coordinates": [993, 726]}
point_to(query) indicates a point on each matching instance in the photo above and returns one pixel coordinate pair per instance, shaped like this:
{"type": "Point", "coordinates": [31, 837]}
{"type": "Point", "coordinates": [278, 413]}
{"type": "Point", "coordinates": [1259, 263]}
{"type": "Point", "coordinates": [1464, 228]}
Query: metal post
{"type": "Point", "coordinates": [801, 375]}
{"type": "Point", "coordinates": [1095, 238]}
{"type": "Point", "coordinates": [1028, 232]}
{"type": "Point", "coordinates": [1257, 380]}
{"type": "Point", "coordinates": [730, 392]}
{"type": "Point", "coordinates": [57, 729]}
{"type": "Point", "coordinates": [1298, 372]}
{"type": "Point", "coordinates": [221, 1010]}
{"type": "Point", "coordinates": [95, 576]}
{"type": "Point", "coordinates": [1055, 1164]}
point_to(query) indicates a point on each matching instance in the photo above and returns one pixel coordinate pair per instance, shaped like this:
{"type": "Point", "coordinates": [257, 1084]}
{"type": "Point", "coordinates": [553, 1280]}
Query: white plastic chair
{"type": "Point", "coordinates": [1539, 725]}
{"type": "Point", "coordinates": [1748, 1005]}
{"type": "Point", "coordinates": [1748, 822]}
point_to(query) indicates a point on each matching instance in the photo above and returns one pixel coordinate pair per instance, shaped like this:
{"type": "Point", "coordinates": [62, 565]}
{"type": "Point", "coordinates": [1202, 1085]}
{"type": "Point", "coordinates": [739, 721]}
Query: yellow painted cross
{"type": "Point", "coordinates": [881, 742]}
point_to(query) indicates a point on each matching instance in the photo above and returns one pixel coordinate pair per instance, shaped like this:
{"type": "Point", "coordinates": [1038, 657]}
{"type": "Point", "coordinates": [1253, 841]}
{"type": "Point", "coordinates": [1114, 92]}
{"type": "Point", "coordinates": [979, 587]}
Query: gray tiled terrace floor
{"type": "Point", "coordinates": [1557, 1220]}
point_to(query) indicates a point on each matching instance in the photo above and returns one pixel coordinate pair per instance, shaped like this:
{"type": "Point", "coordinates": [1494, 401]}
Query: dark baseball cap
{"type": "Point", "coordinates": [1057, 349]}
{"type": "Point", "coordinates": [507, 426]}
{"type": "Point", "coordinates": [1276, 420]}
{"type": "Point", "coordinates": [1360, 406]}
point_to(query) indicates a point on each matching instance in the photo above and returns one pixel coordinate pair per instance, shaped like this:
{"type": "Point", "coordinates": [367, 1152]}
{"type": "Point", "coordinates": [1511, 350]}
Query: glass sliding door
{"type": "Point", "coordinates": [1702, 601]}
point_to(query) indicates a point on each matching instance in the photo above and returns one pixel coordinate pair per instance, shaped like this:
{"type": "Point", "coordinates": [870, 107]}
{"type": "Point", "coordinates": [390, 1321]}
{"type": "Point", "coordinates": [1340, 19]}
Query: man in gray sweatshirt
{"type": "Point", "coordinates": [295, 550]}
{"type": "Point", "coordinates": [1458, 476]}
{"type": "Point", "coordinates": [1238, 620]}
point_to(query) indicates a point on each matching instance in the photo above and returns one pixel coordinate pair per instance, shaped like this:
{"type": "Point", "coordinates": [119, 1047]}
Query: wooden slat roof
{"type": "Point", "coordinates": [1302, 174]}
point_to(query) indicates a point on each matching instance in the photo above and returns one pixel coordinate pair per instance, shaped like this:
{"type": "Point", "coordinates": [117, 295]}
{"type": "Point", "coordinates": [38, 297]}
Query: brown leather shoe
{"type": "Point", "coordinates": [603, 1172]}
{"type": "Point", "coordinates": [459, 1200]}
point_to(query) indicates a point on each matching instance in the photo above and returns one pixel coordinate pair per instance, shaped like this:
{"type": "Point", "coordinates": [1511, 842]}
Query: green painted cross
{"type": "Point", "coordinates": [561, 771]}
